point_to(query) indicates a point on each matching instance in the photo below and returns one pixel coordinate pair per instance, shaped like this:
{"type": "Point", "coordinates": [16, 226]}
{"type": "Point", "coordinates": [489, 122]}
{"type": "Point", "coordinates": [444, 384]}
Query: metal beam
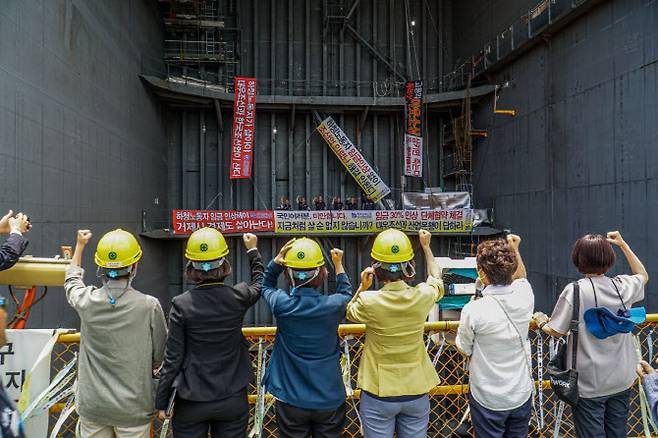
{"type": "Point", "coordinates": [273, 160]}
{"type": "Point", "coordinates": [291, 162]}
{"type": "Point", "coordinates": [254, 35]}
{"type": "Point", "coordinates": [307, 155]}
{"type": "Point", "coordinates": [376, 53]}
{"type": "Point", "coordinates": [202, 159]}
{"type": "Point", "coordinates": [364, 115]}
{"type": "Point", "coordinates": [290, 46]}
{"type": "Point", "coordinates": [272, 45]}
{"type": "Point", "coordinates": [183, 149]}
{"type": "Point", "coordinates": [165, 88]}
{"type": "Point", "coordinates": [352, 9]}
{"type": "Point", "coordinates": [406, 39]}
{"type": "Point", "coordinates": [218, 112]}
{"type": "Point", "coordinates": [307, 47]}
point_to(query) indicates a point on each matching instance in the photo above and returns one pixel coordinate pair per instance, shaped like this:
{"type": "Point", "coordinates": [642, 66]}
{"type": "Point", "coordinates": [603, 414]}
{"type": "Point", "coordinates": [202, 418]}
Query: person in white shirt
{"type": "Point", "coordinates": [493, 333]}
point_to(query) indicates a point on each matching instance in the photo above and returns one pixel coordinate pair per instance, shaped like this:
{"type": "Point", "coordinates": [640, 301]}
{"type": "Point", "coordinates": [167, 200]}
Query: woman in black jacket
{"type": "Point", "coordinates": [207, 361]}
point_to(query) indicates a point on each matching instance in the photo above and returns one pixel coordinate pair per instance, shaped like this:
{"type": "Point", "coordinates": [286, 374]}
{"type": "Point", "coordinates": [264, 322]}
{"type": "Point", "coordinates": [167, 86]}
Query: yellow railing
{"type": "Point", "coordinates": [449, 400]}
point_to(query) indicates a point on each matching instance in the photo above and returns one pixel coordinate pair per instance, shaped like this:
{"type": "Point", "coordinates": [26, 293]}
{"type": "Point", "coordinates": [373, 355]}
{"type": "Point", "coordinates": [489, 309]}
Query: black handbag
{"type": "Point", "coordinates": [564, 382]}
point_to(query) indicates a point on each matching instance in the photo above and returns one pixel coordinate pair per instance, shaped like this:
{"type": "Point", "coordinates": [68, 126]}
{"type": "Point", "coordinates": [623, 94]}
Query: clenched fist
{"type": "Point", "coordinates": [425, 238]}
{"type": "Point", "coordinates": [615, 238]}
{"type": "Point", "coordinates": [83, 237]}
{"type": "Point", "coordinates": [367, 276]}
{"type": "Point", "coordinates": [250, 241]}
{"type": "Point", "coordinates": [337, 256]}
{"type": "Point", "coordinates": [514, 241]}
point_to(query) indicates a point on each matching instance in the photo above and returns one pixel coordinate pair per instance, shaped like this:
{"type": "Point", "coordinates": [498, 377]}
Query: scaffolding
{"type": "Point", "coordinates": [202, 35]}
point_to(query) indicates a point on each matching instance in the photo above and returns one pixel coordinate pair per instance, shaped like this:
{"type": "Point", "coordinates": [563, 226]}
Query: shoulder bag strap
{"type": "Point", "coordinates": [518, 334]}
{"type": "Point", "coordinates": [575, 316]}
{"type": "Point", "coordinates": [596, 301]}
{"type": "Point", "coordinates": [619, 295]}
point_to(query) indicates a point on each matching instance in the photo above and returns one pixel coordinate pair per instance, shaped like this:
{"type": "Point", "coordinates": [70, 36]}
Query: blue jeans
{"type": "Point", "coordinates": [602, 416]}
{"type": "Point", "coordinates": [381, 419]}
{"type": "Point", "coordinates": [498, 424]}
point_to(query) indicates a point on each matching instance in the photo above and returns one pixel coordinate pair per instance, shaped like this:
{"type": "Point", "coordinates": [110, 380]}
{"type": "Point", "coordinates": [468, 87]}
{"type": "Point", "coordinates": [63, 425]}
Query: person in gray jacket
{"type": "Point", "coordinates": [122, 340]}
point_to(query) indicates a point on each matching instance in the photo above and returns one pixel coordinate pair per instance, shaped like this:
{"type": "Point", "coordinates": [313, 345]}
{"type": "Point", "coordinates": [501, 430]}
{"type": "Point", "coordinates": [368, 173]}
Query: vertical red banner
{"type": "Point", "coordinates": [244, 121]}
{"type": "Point", "coordinates": [413, 137]}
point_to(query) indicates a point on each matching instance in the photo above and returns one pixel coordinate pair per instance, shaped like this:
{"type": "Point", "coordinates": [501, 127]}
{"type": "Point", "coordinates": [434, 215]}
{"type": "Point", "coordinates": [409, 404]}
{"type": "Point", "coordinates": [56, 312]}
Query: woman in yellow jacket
{"type": "Point", "coordinates": [396, 373]}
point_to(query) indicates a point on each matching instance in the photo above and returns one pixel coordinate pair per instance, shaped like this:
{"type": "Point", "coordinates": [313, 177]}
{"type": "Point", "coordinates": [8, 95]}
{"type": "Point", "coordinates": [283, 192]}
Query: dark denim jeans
{"type": "Point", "coordinates": [498, 424]}
{"type": "Point", "coordinates": [602, 416]}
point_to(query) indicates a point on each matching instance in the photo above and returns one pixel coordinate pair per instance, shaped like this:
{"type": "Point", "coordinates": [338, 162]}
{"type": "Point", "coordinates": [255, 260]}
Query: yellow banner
{"type": "Point", "coordinates": [371, 183]}
{"type": "Point", "coordinates": [373, 221]}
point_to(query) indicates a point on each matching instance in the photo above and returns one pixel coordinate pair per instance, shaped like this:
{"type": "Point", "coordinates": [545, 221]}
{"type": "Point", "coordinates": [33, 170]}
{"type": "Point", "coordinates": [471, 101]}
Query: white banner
{"type": "Point", "coordinates": [413, 155]}
{"type": "Point", "coordinates": [373, 221]}
{"type": "Point", "coordinates": [17, 358]}
{"type": "Point", "coordinates": [371, 183]}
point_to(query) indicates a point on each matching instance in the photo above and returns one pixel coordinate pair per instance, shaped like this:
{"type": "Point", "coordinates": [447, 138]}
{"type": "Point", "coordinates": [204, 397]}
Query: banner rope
{"type": "Point", "coordinates": [53, 393]}
{"type": "Point", "coordinates": [346, 366]}
{"type": "Point", "coordinates": [68, 409]}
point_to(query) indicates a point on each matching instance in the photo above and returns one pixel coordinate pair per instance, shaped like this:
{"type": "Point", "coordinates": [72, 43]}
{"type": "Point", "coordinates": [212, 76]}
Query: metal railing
{"type": "Point", "coordinates": [448, 400]}
{"type": "Point", "coordinates": [201, 51]}
{"type": "Point", "coordinates": [526, 27]}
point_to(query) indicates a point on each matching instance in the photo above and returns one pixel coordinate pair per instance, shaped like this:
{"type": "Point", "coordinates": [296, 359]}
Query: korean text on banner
{"type": "Point", "coordinates": [373, 221]}
{"type": "Point", "coordinates": [188, 221]}
{"type": "Point", "coordinates": [17, 359]}
{"type": "Point", "coordinates": [371, 183]}
{"type": "Point", "coordinates": [244, 120]}
{"type": "Point", "coordinates": [413, 137]}
{"type": "Point", "coordinates": [413, 155]}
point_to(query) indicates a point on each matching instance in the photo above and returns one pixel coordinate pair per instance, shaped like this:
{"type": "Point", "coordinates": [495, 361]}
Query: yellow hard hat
{"type": "Point", "coordinates": [206, 244]}
{"type": "Point", "coordinates": [117, 249]}
{"type": "Point", "coordinates": [304, 254]}
{"type": "Point", "coordinates": [392, 246]}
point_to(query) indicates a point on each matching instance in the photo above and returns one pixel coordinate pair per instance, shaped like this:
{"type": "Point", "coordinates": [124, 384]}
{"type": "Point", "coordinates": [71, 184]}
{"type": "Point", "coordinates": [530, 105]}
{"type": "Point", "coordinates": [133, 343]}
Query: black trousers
{"type": "Point", "coordinates": [602, 416]}
{"type": "Point", "coordinates": [295, 422]}
{"type": "Point", "coordinates": [225, 418]}
{"type": "Point", "coordinates": [500, 424]}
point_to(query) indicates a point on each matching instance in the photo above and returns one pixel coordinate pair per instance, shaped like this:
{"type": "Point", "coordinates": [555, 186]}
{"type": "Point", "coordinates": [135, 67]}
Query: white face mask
{"type": "Point", "coordinates": [407, 268]}
{"type": "Point", "coordinates": [305, 280]}
{"type": "Point", "coordinates": [106, 277]}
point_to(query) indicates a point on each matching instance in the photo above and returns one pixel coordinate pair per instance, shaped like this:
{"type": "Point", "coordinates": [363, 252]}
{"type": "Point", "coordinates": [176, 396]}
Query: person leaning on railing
{"type": "Point", "coordinates": [395, 372]}
{"type": "Point", "coordinates": [493, 333]}
{"type": "Point", "coordinates": [606, 367]}
{"type": "Point", "coordinates": [207, 369]}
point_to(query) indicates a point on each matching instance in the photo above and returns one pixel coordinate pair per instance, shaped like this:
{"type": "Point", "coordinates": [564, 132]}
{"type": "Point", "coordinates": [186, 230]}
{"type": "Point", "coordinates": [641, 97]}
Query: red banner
{"type": "Point", "coordinates": [413, 137]}
{"type": "Point", "coordinates": [413, 96]}
{"type": "Point", "coordinates": [244, 120]}
{"type": "Point", "coordinates": [188, 221]}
